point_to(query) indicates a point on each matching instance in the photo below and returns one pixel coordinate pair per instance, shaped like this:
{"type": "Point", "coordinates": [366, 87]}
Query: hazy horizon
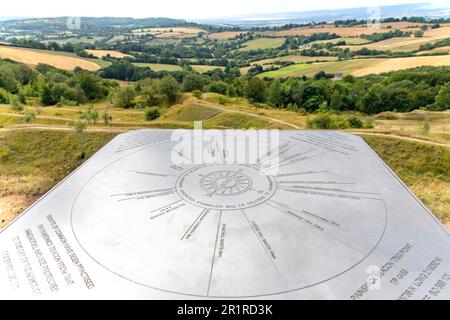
{"type": "Point", "coordinates": [178, 9]}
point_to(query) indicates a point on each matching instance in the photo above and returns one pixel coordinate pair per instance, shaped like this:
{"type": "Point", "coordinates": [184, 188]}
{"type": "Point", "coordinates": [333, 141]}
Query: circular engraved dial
{"type": "Point", "coordinates": [229, 230]}
{"type": "Point", "coordinates": [226, 183]}
{"type": "Point", "coordinates": [225, 187]}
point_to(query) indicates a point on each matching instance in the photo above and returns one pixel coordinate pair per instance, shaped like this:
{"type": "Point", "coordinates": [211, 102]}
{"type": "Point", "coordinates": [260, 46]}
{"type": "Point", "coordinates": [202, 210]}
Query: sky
{"type": "Point", "coordinates": [185, 9]}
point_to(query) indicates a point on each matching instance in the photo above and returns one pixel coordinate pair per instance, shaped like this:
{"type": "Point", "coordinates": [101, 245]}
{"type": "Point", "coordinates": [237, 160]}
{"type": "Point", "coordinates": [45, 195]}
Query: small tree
{"type": "Point", "coordinates": [29, 116]}
{"type": "Point", "coordinates": [275, 94]}
{"type": "Point", "coordinates": [4, 96]}
{"type": "Point", "coordinates": [150, 94]}
{"type": "Point", "coordinates": [124, 98]}
{"type": "Point", "coordinates": [91, 115]}
{"type": "Point", "coordinates": [418, 34]}
{"type": "Point", "coordinates": [169, 88]}
{"type": "Point", "coordinates": [192, 82]}
{"type": "Point", "coordinates": [106, 118]}
{"type": "Point", "coordinates": [255, 90]}
{"type": "Point", "coordinates": [443, 98]}
{"type": "Point", "coordinates": [15, 104]}
{"type": "Point", "coordinates": [425, 127]}
{"type": "Point", "coordinates": [79, 127]}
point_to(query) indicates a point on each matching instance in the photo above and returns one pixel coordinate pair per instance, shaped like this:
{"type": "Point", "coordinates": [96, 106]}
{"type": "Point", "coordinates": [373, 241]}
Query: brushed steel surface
{"type": "Point", "coordinates": [333, 222]}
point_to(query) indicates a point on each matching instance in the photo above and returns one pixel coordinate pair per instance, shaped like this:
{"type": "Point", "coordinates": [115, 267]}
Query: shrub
{"type": "Point", "coordinates": [67, 102]}
{"type": "Point", "coordinates": [107, 119]}
{"type": "Point", "coordinates": [218, 87]}
{"type": "Point", "coordinates": [124, 98]}
{"type": "Point", "coordinates": [197, 94]}
{"type": "Point", "coordinates": [15, 104]}
{"type": "Point", "coordinates": [355, 122]}
{"type": "Point", "coordinates": [30, 116]}
{"type": "Point", "coordinates": [152, 113]}
{"type": "Point", "coordinates": [328, 121]}
{"type": "Point", "coordinates": [90, 115]}
{"type": "Point", "coordinates": [321, 121]}
{"type": "Point", "coordinates": [4, 96]}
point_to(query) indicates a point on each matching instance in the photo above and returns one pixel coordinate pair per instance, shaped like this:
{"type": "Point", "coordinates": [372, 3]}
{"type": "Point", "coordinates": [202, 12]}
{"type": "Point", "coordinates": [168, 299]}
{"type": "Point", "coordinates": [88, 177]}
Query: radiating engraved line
{"type": "Point", "coordinates": [290, 158]}
{"type": "Point", "coordinates": [330, 189]}
{"type": "Point", "coordinates": [152, 174]}
{"type": "Point", "coordinates": [270, 154]}
{"type": "Point", "coordinates": [214, 254]}
{"type": "Point", "coordinates": [167, 206]}
{"type": "Point", "coordinates": [298, 174]}
{"type": "Point", "coordinates": [323, 194]}
{"type": "Point", "coordinates": [315, 182]}
{"type": "Point", "coordinates": [180, 153]}
{"type": "Point", "coordinates": [321, 232]}
{"type": "Point", "coordinates": [295, 161]}
{"type": "Point", "coordinates": [140, 192]}
{"type": "Point", "coordinates": [310, 214]}
{"type": "Point", "coordinates": [193, 223]}
{"type": "Point", "coordinates": [265, 250]}
{"type": "Point", "coordinates": [149, 195]}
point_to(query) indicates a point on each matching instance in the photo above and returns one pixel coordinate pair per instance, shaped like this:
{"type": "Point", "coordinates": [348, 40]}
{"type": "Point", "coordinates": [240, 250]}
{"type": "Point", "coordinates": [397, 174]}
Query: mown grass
{"type": "Point", "coordinates": [190, 113]}
{"type": "Point", "coordinates": [424, 168]}
{"type": "Point", "coordinates": [231, 120]}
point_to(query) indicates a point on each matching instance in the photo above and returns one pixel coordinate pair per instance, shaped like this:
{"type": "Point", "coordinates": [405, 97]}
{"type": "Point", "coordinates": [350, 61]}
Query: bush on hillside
{"type": "Point", "coordinates": [152, 113]}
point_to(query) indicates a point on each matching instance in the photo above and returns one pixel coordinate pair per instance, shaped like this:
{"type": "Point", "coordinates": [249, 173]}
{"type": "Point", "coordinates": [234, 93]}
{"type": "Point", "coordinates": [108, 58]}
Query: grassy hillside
{"type": "Point", "coordinates": [357, 67]}
{"type": "Point", "coordinates": [425, 169]}
{"type": "Point", "coordinates": [32, 162]}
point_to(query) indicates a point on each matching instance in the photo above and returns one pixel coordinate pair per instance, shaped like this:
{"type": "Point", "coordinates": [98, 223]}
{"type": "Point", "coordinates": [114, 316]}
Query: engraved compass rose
{"type": "Point", "coordinates": [225, 183]}
{"type": "Point", "coordinates": [227, 229]}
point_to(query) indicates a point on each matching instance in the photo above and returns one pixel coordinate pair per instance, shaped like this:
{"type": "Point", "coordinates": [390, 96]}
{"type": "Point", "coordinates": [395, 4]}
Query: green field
{"type": "Point", "coordinates": [295, 59]}
{"type": "Point", "coordinates": [158, 66]}
{"type": "Point", "coordinates": [349, 41]}
{"type": "Point", "coordinates": [203, 69]}
{"type": "Point", "coordinates": [78, 40]}
{"type": "Point", "coordinates": [171, 67]}
{"type": "Point", "coordinates": [309, 70]}
{"type": "Point", "coordinates": [263, 43]}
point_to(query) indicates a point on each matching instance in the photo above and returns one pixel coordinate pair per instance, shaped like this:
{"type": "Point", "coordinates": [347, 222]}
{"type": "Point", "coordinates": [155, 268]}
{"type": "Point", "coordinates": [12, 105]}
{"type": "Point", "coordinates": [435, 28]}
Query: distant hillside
{"type": "Point", "coordinates": [60, 23]}
{"type": "Point", "coordinates": [281, 18]}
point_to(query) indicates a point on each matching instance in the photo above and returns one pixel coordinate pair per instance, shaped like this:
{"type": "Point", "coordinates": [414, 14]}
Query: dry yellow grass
{"type": "Point", "coordinates": [58, 60]}
{"type": "Point", "coordinates": [101, 53]}
{"type": "Point", "coordinates": [295, 59]}
{"type": "Point", "coordinates": [445, 49]}
{"type": "Point", "coordinates": [406, 44]}
{"type": "Point", "coordinates": [175, 32]}
{"type": "Point", "coordinates": [402, 63]}
{"type": "Point", "coordinates": [226, 35]}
